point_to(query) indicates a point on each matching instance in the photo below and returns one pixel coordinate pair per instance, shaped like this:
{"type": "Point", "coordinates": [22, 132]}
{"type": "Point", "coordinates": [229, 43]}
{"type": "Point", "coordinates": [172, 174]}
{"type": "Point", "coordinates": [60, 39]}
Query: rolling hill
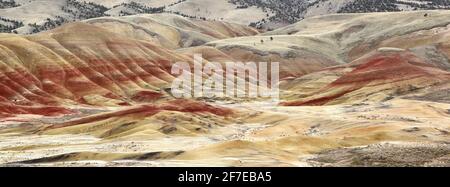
{"type": "Point", "coordinates": [31, 16]}
{"type": "Point", "coordinates": [355, 89]}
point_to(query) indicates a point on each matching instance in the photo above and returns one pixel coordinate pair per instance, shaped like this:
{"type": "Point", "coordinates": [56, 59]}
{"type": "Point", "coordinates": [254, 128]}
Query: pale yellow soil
{"type": "Point", "coordinates": [265, 135]}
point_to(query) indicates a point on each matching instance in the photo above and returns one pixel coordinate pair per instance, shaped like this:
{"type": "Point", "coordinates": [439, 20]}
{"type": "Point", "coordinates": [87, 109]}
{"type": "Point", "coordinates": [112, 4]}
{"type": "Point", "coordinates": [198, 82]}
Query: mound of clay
{"type": "Point", "coordinates": [101, 62]}
{"type": "Point", "coordinates": [149, 110]}
{"type": "Point", "coordinates": [377, 76]}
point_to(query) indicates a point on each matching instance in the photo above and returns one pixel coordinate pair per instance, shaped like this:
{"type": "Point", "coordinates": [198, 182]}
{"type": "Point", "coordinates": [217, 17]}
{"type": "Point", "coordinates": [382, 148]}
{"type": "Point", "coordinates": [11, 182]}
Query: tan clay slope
{"type": "Point", "coordinates": [297, 55]}
{"type": "Point", "coordinates": [425, 40]}
{"type": "Point", "coordinates": [172, 31]}
{"type": "Point", "coordinates": [81, 63]}
{"type": "Point", "coordinates": [78, 62]}
{"type": "Point", "coordinates": [354, 35]}
{"type": "Point", "coordinates": [118, 61]}
{"type": "Point", "coordinates": [323, 41]}
{"type": "Point", "coordinates": [169, 118]}
{"type": "Point", "coordinates": [104, 61]}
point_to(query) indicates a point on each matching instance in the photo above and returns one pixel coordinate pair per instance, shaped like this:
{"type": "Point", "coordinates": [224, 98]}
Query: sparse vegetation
{"type": "Point", "coordinates": [49, 24]}
{"type": "Point", "coordinates": [279, 12]}
{"type": "Point", "coordinates": [84, 10]}
{"type": "Point", "coordinates": [8, 4]}
{"type": "Point", "coordinates": [136, 8]}
{"type": "Point", "coordinates": [361, 6]}
{"type": "Point", "coordinates": [291, 11]}
{"type": "Point", "coordinates": [287, 11]}
{"type": "Point", "coordinates": [8, 25]}
{"type": "Point", "coordinates": [77, 10]}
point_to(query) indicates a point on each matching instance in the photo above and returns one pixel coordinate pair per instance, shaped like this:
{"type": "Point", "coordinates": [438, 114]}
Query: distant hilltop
{"type": "Point", "coordinates": [32, 16]}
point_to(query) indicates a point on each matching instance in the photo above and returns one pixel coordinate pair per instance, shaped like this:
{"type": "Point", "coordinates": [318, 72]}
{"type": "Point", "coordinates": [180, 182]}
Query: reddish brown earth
{"type": "Point", "coordinates": [390, 69]}
{"type": "Point", "coordinates": [81, 63]}
{"type": "Point", "coordinates": [146, 110]}
{"type": "Point", "coordinates": [98, 92]}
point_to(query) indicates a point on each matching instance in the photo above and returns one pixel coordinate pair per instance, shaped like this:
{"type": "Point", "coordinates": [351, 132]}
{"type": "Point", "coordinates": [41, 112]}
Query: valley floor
{"type": "Point", "coordinates": [399, 132]}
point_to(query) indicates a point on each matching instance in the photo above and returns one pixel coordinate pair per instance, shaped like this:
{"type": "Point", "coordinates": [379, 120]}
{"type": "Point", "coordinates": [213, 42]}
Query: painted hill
{"type": "Point", "coordinates": [94, 63]}
{"type": "Point", "coordinates": [95, 93]}
{"type": "Point", "coordinates": [412, 40]}
{"type": "Point", "coordinates": [377, 77]}
{"type": "Point", "coordinates": [323, 41]}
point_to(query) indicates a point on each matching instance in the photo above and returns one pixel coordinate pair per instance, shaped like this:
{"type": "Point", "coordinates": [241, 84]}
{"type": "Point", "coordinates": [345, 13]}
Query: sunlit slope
{"type": "Point", "coordinates": [172, 31]}
{"type": "Point", "coordinates": [105, 61]}
{"type": "Point", "coordinates": [377, 77]}
{"type": "Point", "coordinates": [323, 41]}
